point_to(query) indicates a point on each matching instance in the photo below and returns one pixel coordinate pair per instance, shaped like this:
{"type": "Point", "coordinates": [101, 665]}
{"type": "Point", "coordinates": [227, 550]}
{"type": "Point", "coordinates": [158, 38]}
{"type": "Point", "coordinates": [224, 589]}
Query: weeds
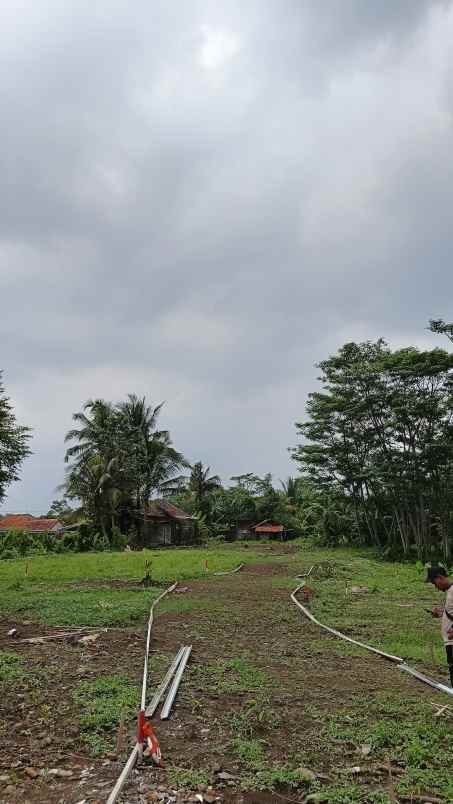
{"type": "Point", "coordinates": [180, 777]}
{"type": "Point", "coordinates": [104, 702]}
{"type": "Point", "coordinates": [11, 667]}
{"type": "Point", "coordinates": [232, 676]}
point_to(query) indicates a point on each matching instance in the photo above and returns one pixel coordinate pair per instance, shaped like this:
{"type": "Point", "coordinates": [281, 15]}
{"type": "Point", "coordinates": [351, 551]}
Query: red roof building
{"type": "Point", "coordinates": [30, 524]}
{"type": "Point", "coordinates": [269, 528]}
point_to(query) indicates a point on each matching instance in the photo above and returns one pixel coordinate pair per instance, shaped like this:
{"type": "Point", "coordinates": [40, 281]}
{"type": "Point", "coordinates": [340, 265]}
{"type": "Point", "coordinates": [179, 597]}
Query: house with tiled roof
{"type": "Point", "coordinates": [30, 524]}
{"type": "Point", "coordinates": [166, 524]}
{"type": "Point", "coordinates": [269, 529]}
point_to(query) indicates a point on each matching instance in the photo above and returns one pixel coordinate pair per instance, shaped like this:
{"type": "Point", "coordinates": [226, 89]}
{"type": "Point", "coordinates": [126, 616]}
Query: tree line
{"type": "Point", "coordinates": [375, 460]}
{"type": "Point", "coordinates": [377, 448]}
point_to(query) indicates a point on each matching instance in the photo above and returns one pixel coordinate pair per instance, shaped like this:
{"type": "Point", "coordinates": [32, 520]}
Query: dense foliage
{"type": "Point", "coordinates": [13, 443]}
{"type": "Point", "coordinates": [378, 447]}
{"type": "Point", "coordinates": [117, 460]}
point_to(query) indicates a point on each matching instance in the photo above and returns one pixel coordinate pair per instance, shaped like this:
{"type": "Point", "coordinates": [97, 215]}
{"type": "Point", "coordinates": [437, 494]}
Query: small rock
{"type": "Point", "coordinates": [201, 788]}
{"type": "Point", "coordinates": [12, 632]}
{"type": "Point", "coordinates": [359, 590]}
{"type": "Point", "coordinates": [226, 777]}
{"type": "Point", "coordinates": [85, 640]}
{"type": "Point", "coordinates": [4, 778]}
{"type": "Point", "coordinates": [152, 796]}
{"type": "Point", "coordinates": [365, 750]}
{"type": "Point", "coordinates": [60, 773]}
{"type": "Point", "coordinates": [209, 798]}
{"type": "Point", "coordinates": [32, 772]}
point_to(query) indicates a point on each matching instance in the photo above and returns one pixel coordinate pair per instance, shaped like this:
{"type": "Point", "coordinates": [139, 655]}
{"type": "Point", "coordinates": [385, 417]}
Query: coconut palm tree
{"type": "Point", "coordinates": [201, 484]}
{"type": "Point", "coordinates": [119, 459]}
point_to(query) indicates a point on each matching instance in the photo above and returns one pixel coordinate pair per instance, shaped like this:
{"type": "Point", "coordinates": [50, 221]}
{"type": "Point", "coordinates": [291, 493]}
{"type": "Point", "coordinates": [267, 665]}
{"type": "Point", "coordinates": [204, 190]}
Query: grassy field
{"type": "Point", "coordinates": [76, 589]}
{"type": "Point", "coordinates": [279, 704]}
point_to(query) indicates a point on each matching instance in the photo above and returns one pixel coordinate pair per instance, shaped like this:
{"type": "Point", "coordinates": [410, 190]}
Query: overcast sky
{"type": "Point", "coordinates": [200, 200]}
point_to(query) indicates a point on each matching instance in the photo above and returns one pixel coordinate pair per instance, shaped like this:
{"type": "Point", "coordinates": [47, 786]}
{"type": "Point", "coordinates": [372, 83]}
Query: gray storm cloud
{"type": "Point", "coordinates": [201, 200]}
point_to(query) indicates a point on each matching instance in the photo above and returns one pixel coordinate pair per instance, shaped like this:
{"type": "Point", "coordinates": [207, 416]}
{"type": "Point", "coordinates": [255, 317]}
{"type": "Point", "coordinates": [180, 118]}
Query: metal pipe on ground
{"type": "Point", "coordinates": [151, 708]}
{"type": "Point", "coordinates": [175, 685]}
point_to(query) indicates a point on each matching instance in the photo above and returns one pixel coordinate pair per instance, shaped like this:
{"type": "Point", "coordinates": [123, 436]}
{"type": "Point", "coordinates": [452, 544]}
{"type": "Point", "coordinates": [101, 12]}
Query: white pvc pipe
{"type": "Point", "coordinates": [400, 662]}
{"type": "Point", "coordinates": [148, 641]}
{"type": "Point", "coordinates": [121, 781]}
{"type": "Point", "coordinates": [136, 751]}
{"type": "Point", "coordinates": [338, 633]}
{"type": "Point", "coordinates": [230, 572]}
{"type": "Point", "coordinates": [421, 677]}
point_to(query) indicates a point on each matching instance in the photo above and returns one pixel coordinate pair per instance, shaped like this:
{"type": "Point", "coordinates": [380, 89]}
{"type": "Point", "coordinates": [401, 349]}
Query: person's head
{"type": "Point", "coordinates": [438, 576]}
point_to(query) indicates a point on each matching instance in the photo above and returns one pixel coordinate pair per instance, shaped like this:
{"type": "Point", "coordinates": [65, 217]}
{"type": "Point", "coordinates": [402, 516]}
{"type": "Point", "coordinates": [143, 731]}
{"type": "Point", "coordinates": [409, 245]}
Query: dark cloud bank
{"type": "Point", "coordinates": [199, 202]}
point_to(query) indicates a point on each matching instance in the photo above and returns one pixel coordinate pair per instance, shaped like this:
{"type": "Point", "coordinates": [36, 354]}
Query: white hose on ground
{"type": "Point", "coordinates": [338, 633]}
{"type": "Point", "coordinates": [135, 753]}
{"type": "Point", "coordinates": [230, 572]}
{"type": "Point", "coordinates": [400, 662]}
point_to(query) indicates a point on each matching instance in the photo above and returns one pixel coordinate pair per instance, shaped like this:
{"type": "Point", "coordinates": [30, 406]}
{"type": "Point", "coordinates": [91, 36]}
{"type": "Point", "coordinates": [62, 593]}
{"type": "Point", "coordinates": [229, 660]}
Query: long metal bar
{"type": "Point", "coordinates": [310, 616]}
{"type": "Point", "coordinates": [421, 677]}
{"type": "Point", "coordinates": [175, 685]}
{"type": "Point", "coordinates": [152, 706]}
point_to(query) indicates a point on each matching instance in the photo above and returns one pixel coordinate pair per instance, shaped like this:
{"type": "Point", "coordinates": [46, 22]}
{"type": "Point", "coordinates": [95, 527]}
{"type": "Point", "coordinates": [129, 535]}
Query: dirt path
{"type": "Point", "coordinates": [254, 659]}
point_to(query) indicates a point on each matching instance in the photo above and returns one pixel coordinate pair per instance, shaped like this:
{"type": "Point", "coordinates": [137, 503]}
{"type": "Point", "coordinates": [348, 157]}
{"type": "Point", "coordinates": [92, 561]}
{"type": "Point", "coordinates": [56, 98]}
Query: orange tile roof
{"type": "Point", "coordinates": [31, 524]}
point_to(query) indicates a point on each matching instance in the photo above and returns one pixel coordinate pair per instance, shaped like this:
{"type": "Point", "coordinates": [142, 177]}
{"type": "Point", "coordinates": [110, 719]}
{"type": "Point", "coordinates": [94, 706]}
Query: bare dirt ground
{"type": "Point", "coordinates": [244, 615]}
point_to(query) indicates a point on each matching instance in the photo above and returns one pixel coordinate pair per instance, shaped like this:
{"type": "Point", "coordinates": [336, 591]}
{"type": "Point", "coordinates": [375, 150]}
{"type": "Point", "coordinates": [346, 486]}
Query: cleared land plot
{"type": "Point", "coordinates": [269, 705]}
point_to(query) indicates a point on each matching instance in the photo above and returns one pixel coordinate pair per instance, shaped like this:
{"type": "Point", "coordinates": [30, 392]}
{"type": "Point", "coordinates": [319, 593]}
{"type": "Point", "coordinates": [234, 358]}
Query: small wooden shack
{"type": "Point", "coordinates": [165, 524]}
{"type": "Point", "coordinates": [270, 530]}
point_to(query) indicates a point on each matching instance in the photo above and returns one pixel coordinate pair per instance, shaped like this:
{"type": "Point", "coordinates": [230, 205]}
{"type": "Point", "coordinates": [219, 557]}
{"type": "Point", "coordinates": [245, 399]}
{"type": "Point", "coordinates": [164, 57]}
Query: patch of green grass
{"type": "Point", "coordinates": [182, 778]}
{"type": "Point", "coordinates": [252, 717]}
{"type": "Point", "coordinates": [406, 731]}
{"type": "Point", "coordinates": [230, 676]}
{"type": "Point", "coordinates": [390, 615]}
{"type": "Point", "coordinates": [103, 704]}
{"type": "Point", "coordinates": [166, 565]}
{"type": "Point", "coordinates": [11, 667]}
{"type": "Point", "coordinates": [95, 607]}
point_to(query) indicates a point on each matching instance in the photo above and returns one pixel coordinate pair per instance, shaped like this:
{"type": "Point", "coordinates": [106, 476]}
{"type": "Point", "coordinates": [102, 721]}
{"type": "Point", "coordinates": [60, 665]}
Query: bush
{"type": "Point", "coordinates": [118, 540]}
{"type": "Point", "coordinates": [100, 543]}
{"type": "Point", "coordinates": [10, 552]}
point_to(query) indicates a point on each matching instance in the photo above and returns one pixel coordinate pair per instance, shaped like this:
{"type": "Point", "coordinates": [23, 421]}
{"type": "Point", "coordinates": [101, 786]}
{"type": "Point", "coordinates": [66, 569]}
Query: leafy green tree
{"type": "Point", "coordinates": [441, 328]}
{"type": "Point", "coordinates": [380, 434]}
{"type": "Point", "coordinates": [232, 506]}
{"type": "Point", "coordinates": [252, 483]}
{"type": "Point", "coordinates": [292, 488]}
{"type": "Point", "coordinates": [13, 443]}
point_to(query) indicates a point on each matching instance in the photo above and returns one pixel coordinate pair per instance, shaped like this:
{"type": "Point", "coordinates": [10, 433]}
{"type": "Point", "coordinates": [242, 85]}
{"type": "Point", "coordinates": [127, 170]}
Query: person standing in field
{"type": "Point", "coordinates": [439, 578]}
